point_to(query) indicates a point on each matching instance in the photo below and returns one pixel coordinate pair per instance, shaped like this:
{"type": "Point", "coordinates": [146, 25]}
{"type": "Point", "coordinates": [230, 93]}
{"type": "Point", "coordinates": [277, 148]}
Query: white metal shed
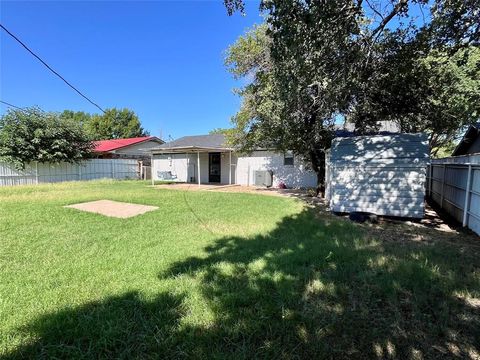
{"type": "Point", "coordinates": [381, 174]}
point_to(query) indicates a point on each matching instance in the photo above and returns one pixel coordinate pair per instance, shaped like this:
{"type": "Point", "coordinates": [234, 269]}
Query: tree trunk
{"type": "Point", "coordinates": [317, 158]}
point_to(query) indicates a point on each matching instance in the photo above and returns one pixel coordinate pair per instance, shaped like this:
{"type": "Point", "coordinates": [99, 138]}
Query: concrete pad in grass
{"type": "Point", "coordinates": [113, 208]}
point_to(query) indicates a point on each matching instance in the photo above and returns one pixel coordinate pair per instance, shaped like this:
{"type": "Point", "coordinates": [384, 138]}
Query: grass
{"type": "Point", "coordinates": [224, 275]}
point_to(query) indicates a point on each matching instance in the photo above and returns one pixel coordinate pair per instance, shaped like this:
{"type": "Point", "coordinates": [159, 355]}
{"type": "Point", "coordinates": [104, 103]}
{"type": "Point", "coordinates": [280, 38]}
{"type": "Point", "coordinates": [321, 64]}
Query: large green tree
{"type": "Point", "coordinates": [298, 87]}
{"type": "Point", "coordinates": [325, 60]}
{"type": "Point", "coordinates": [435, 93]}
{"type": "Point", "coordinates": [258, 121]}
{"type": "Point", "coordinates": [81, 117]}
{"type": "Point", "coordinates": [34, 135]}
{"type": "Point", "coordinates": [115, 124]}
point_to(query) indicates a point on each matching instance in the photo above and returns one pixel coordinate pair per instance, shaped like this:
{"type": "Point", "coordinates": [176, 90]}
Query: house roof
{"type": "Point", "coordinates": [468, 139]}
{"type": "Point", "coordinates": [196, 143]}
{"type": "Point", "coordinates": [214, 142]}
{"type": "Point", "coordinates": [115, 144]}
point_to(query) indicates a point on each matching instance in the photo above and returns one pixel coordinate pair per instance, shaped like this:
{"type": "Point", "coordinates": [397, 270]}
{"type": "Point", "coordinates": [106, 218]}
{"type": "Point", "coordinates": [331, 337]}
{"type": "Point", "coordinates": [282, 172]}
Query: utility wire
{"type": "Point", "coordinates": [11, 105]}
{"type": "Point", "coordinates": [49, 68]}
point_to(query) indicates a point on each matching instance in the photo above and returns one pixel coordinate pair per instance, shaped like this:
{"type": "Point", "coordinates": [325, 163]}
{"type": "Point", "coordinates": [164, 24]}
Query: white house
{"type": "Point", "coordinates": [206, 159]}
{"type": "Point", "coordinates": [384, 173]}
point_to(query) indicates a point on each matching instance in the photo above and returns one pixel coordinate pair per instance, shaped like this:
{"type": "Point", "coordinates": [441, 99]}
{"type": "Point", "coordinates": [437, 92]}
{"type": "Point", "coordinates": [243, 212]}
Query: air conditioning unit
{"type": "Point", "coordinates": [263, 178]}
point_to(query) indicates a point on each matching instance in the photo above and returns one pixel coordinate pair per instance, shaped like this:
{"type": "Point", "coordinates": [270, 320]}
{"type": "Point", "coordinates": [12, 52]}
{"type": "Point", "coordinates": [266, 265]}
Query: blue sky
{"type": "Point", "coordinates": [162, 59]}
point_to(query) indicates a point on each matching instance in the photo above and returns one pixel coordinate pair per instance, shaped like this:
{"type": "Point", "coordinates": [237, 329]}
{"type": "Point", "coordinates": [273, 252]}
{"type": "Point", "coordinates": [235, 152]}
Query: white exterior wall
{"type": "Point", "coordinates": [384, 175]}
{"type": "Point", "coordinates": [242, 168]}
{"type": "Point", "coordinates": [203, 167]}
{"type": "Point", "coordinates": [177, 164]}
{"type": "Point", "coordinates": [224, 165]}
{"type": "Point", "coordinates": [141, 149]}
{"type": "Point", "coordinates": [184, 166]}
{"type": "Point", "coordinates": [294, 176]}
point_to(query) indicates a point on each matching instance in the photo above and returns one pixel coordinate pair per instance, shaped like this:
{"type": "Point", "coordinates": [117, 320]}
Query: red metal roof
{"type": "Point", "coordinates": [114, 144]}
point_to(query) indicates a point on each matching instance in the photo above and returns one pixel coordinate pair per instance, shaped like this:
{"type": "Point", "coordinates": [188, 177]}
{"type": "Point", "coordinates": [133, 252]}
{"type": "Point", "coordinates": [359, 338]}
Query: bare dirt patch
{"type": "Point", "coordinates": [113, 208]}
{"type": "Point", "coordinates": [432, 230]}
{"type": "Point", "coordinates": [234, 188]}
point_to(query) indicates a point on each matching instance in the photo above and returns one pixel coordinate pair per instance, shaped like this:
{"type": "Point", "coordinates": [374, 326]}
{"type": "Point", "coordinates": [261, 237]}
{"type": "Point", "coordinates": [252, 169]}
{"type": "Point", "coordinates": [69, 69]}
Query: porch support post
{"type": "Point", "coordinates": [230, 168]}
{"type": "Point", "coordinates": [198, 166]}
{"type": "Point", "coordinates": [152, 170]}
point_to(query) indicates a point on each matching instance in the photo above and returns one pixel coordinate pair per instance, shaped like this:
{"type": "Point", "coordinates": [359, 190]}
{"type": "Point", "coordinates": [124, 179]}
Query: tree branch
{"type": "Point", "coordinates": [395, 11]}
{"type": "Point", "coordinates": [375, 10]}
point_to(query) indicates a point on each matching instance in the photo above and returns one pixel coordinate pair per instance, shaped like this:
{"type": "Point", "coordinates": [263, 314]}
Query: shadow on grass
{"type": "Point", "coordinates": [308, 289]}
{"type": "Point", "coordinates": [124, 326]}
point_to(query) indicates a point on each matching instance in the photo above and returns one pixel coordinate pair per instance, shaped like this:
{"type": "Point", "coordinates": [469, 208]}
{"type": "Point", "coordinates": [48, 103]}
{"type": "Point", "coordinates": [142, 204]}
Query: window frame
{"type": "Point", "coordinates": [287, 157]}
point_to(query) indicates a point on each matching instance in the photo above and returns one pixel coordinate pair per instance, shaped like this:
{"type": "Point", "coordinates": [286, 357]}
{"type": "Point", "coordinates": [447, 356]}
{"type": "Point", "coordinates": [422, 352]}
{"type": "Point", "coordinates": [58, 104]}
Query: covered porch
{"type": "Point", "coordinates": [195, 164]}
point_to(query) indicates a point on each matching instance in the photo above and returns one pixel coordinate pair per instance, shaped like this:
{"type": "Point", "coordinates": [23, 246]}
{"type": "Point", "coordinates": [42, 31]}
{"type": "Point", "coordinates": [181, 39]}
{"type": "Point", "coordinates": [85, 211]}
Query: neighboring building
{"type": "Point", "coordinates": [381, 174]}
{"type": "Point", "coordinates": [208, 159]}
{"type": "Point", "coordinates": [131, 148]}
{"type": "Point", "coordinates": [470, 143]}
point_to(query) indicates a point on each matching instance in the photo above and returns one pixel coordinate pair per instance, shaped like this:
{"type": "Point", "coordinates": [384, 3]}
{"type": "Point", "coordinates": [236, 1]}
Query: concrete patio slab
{"type": "Point", "coordinates": [113, 208]}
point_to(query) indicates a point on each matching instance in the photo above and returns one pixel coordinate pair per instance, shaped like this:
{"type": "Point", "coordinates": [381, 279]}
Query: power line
{"type": "Point", "coordinates": [49, 68]}
{"type": "Point", "coordinates": [11, 105]}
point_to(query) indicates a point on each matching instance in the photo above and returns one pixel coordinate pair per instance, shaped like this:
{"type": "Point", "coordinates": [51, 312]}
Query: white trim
{"type": "Point", "coordinates": [187, 149]}
{"type": "Point", "coordinates": [198, 166]}
{"type": "Point", "coordinates": [230, 169]}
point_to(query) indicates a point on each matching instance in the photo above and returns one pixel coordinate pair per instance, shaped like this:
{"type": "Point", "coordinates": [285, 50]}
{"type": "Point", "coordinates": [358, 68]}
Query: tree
{"type": "Point", "coordinates": [455, 24]}
{"type": "Point", "coordinates": [258, 121]}
{"type": "Point", "coordinates": [348, 59]}
{"type": "Point", "coordinates": [115, 124]}
{"type": "Point", "coordinates": [298, 87]}
{"type": "Point", "coordinates": [438, 93]}
{"type": "Point", "coordinates": [34, 135]}
{"type": "Point", "coordinates": [223, 131]}
{"type": "Point", "coordinates": [81, 117]}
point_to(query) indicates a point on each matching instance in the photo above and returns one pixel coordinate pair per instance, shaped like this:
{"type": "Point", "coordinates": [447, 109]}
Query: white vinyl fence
{"type": "Point", "coordinates": [87, 170]}
{"type": "Point", "coordinates": [454, 184]}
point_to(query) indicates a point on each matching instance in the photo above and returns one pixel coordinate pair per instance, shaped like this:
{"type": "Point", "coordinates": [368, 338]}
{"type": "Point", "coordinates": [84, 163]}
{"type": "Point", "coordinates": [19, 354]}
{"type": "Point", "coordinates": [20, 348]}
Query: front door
{"type": "Point", "coordinates": [214, 167]}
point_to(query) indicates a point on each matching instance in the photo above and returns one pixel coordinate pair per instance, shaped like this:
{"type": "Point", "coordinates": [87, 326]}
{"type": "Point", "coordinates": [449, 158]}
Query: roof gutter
{"type": "Point", "coordinates": [188, 149]}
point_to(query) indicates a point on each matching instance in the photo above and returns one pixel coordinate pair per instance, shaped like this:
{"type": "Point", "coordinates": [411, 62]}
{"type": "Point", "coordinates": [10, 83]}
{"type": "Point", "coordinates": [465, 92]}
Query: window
{"type": "Point", "coordinates": [288, 158]}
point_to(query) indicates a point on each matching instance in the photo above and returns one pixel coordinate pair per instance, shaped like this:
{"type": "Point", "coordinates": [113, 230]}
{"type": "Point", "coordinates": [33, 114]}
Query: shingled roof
{"type": "Point", "coordinates": [211, 141]}
{"type": "Point", "coordinates": [468, 139]}
{"type": "Point", "coordinates": [218, 141]}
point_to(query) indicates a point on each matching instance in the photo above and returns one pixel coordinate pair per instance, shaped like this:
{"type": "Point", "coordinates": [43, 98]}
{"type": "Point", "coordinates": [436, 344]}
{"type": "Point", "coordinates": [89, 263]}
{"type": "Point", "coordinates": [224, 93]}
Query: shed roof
{"type": "Point", "coordinates": [347, 129]}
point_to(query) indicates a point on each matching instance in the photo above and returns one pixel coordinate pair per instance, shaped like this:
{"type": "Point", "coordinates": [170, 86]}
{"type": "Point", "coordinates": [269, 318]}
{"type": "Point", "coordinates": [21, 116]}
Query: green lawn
{"type": "Point", "coordinates": [224, 275]}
